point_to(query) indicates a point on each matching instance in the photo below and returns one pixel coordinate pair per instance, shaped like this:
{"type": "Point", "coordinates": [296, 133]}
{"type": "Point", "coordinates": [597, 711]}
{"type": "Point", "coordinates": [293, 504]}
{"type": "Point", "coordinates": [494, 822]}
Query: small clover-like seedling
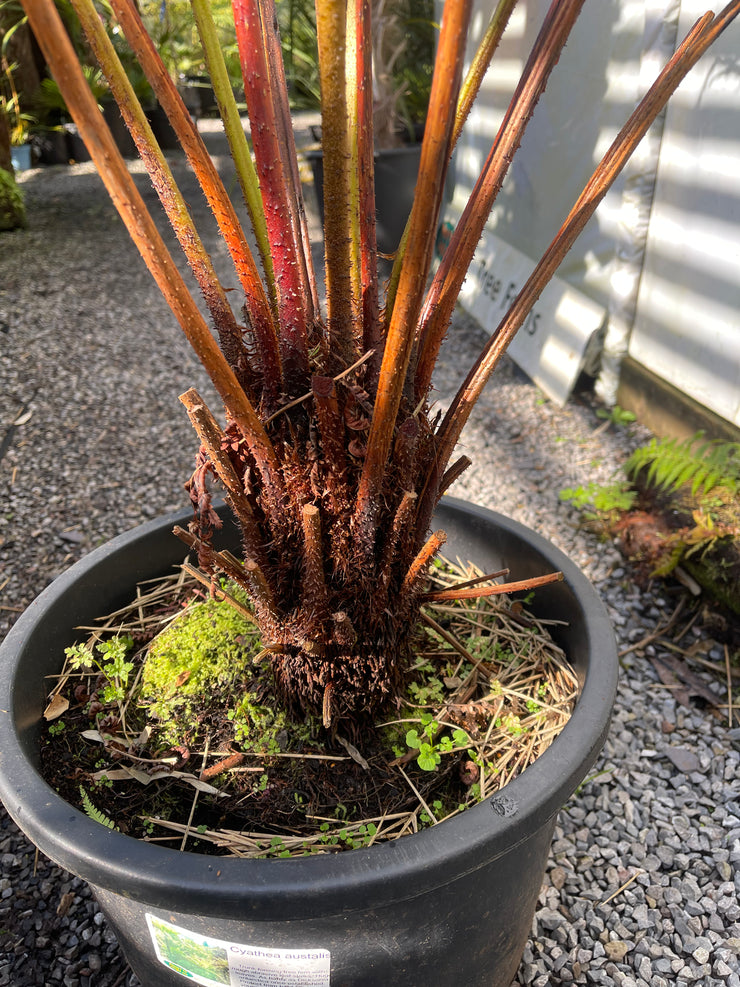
{"type": "Point", "coordinates": [437, 808]}
{"type": "Point", "coordinates": [458, 739]}
{"type": "Point", "coordinates": [367, 832]}
{"type": "Point", "coordinates": [430, 750]}
{"type": "Point", "coordinates": [513, 724]}
{"type": "Point", "coordinates": [428, 757]}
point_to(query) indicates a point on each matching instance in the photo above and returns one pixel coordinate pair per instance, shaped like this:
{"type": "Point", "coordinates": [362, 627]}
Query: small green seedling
{"type": "Point", "coordinates": [605, 499]}
{"type": "Point", "coordinates": [430, 749]}
{"type": "Point", "coordinates": [437, 808]}
{"type": "Point", "coordinates": [616, 415]}
{"type": "Point", "coordinates": [112, 664]}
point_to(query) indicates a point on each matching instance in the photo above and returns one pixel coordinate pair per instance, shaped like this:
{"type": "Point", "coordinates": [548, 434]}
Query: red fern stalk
{"type": "Point", "coordinates": [422, 233]}
{"type": "Point", "coordinates": [258, 308]}
{"type": "Point", "coordinates": [331, 29]}
{"type": "Point", "coordinates": [294, 294]}
{"type": "Point", "coordinates": [443, 294]}
{"type": "Point", "coordinates": [372, 339]}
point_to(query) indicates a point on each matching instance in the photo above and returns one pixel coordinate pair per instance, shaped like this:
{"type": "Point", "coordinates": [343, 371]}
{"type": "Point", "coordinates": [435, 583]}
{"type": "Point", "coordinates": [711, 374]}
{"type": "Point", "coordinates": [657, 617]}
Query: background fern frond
{"type": "Point", "coordinates": [671, 464]}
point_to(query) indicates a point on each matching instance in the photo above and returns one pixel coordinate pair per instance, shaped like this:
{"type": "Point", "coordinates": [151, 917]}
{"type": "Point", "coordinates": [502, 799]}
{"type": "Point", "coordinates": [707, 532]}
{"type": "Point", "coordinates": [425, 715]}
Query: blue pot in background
{"type": "Point", "coordinates": [20, 156]}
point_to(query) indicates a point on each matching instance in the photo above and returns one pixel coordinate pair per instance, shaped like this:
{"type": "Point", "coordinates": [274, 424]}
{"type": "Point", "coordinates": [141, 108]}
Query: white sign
{"type": "Point", "coordinates": [217, 963]}
{"type": "Point", "coordinates": [551, 347]}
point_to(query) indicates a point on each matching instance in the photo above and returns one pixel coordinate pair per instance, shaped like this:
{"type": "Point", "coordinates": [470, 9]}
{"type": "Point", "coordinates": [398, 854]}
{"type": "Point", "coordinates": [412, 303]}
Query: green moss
{"type": "Point", "coordinates": [718, 575]}
{"type": "Point", "coordinates": [257, 725]}
{"type": "Point", "coordinates": [12, 210]}
{"type": "Point", "coordinates": [200, 665]}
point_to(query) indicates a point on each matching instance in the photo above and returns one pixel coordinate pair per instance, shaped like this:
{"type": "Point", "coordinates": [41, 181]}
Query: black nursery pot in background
{"type": "Point", "coordinates": [396, 169]}
{"type": "Point", "coordinates": [451, 905]}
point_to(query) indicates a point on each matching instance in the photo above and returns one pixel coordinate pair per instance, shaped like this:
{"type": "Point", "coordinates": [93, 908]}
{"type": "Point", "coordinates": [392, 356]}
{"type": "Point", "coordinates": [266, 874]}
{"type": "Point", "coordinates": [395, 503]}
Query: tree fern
{"type": "Point", "coordinates": [332, 453]}
{"type": "Point", "coordinates": [672, 464]}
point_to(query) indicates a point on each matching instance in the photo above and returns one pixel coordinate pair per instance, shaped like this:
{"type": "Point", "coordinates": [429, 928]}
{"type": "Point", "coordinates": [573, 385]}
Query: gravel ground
{"type": "Point", "coordinates": [641, 888]}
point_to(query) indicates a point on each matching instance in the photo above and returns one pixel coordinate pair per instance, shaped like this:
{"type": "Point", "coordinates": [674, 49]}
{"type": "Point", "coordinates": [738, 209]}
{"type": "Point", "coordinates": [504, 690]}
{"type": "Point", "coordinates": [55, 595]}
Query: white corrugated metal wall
{"type": "Point", "coordinates": [662, 254]}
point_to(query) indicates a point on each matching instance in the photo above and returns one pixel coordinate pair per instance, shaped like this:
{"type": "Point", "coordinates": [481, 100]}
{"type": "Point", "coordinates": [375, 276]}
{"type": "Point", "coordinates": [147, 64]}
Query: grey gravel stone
{"type": "Point", "coordinates": [642, 883]}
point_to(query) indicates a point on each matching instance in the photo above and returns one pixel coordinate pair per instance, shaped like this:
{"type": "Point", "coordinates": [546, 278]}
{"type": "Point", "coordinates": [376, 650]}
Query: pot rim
{"type": "Point", "coordinates": [395, 870]}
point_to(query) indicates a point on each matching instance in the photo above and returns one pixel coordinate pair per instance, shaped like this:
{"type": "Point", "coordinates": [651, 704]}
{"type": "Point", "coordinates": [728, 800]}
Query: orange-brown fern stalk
{"type": "Point", "coordinates": [329, 456]}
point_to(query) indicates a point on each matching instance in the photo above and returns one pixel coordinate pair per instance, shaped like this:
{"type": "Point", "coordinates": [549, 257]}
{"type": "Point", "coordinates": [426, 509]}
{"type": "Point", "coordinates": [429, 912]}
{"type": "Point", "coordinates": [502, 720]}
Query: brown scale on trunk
{"type": "Point", "coordinates": [337, 650]}
{"type": "Point", "coordinates": [339, 629]}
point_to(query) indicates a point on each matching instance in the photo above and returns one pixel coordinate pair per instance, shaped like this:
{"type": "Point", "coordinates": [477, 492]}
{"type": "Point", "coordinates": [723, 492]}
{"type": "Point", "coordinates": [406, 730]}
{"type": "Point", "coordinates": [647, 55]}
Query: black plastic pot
{"type": "Point", "coordinates": [52, 147]}
{"type": "Point", "coordinates": [76, 149]}
{"type": "Point", "coordinates": [396, 169]}
{"type": "Point", "coordinates": [199, 97]}
{"type": "Point", "coordinates": [452, 905]}
{"type": "Point", "coordinates": [163, 129]}
{"type": "Point", "coordinates": [122, 137]}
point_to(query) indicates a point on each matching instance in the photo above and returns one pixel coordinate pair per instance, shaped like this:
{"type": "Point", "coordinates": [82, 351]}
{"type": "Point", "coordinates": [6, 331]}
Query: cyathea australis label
{"type": "Point", "coordinates": [217, 963]}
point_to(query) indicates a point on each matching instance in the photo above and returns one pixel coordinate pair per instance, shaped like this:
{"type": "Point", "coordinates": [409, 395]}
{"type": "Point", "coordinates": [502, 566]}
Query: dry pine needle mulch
{"type": "Point", "coordinates": [488, 694]}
